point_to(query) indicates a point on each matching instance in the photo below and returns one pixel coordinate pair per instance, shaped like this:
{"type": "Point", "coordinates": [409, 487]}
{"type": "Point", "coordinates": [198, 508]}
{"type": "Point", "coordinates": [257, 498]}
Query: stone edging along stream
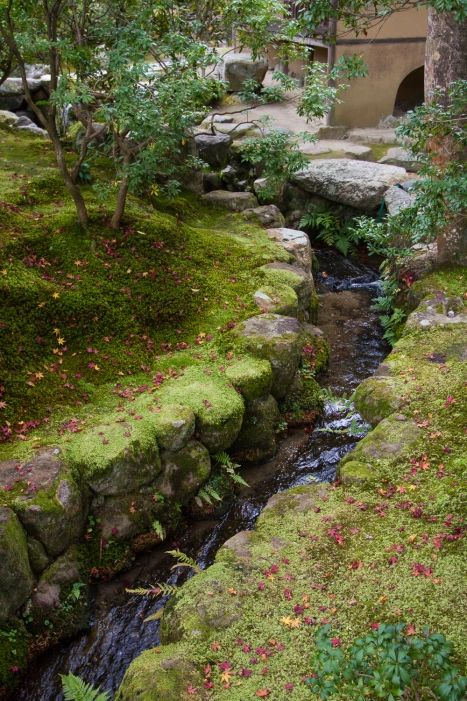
{"type": "Point", "coordinates": [235, 604]}
{"type": "Point", "coordinates": [116, 479]}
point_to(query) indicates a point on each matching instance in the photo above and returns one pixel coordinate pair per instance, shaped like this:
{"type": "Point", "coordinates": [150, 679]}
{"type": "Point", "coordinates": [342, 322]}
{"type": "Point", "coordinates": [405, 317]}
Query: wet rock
{"type": "Point", "coordinates": [396, 199]}
{"type": "Point", "coordinates": [164, 676]}
{"type": "Point", "coordinates": [296, 243]}
{"type": "Point", "coordinates": [213, 149]}
{"type": "Point", "coordinates": [184, 472]}
{"type": "Point", "coordinates": [236, 68]}
{"type": "Point", "coordinates": [257, 438]}
{"type": "Point", "coordinates": [117, 456]}
{"type": "Point", "coordinates": [174, 426]}
{"type": "Point", "coordinates": [65, 570]}
{"type": "Point", "coordinates": [124, 516]}
{"type": "Point", "coordinates": [398, 156]}
{"type": "Point", "coordinates": [358, 184]}
{"type": "Point", "coordinates": [277, 299]}
{"type": "Point", "coordinates": [16, 579]}
{"type": "Point", "coordinates": [250, 376]}
{"type": "Point", "coordinates": [267, 215]}
{"type": "Point", "coordinates": [376, 398]}
{"type": "Point", "coordinates": [55, 514]}
{"type": "Point", "coordinates": [234, 201]}
{"type": "Point", "coordinates": [276, 339]}
{"type": "Point", "coordinates": [303, 401]}
{"type": "Point", "coordinates": [37, 555]}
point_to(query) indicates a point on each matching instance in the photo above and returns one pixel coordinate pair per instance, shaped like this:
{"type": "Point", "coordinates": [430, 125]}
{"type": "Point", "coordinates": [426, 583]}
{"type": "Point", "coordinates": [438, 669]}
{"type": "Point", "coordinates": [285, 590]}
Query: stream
{"type": "Point", "coordinates": [117, 633]}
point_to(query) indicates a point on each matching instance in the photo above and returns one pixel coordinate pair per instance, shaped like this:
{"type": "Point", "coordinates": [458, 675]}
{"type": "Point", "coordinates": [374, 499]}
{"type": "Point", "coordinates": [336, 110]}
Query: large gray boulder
{"type": "Point", "coordinates": [213, 149]}
{"type": "Point", "coordinates": [8, 118]}
{"type": "Point", "coordinates": [296, 243]}
{"type": "Point", "coordinates": [16, 580]}
{"type": "Point", "coordinates": [235, 69]}
{"type": "Point", "coordinates": [234, 201]}
{"type": "Point", "coordinates": [358, 184]}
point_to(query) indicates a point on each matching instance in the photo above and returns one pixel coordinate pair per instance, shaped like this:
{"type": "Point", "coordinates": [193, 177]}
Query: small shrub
{"type": "Point", "coordinates": [389, 663]}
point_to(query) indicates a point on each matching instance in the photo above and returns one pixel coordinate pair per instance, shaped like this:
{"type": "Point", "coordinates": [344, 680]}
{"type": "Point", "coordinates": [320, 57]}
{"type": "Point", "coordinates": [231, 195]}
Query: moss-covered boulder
{"type": "Point", "coordinates": [315, 348]}
{"type": "Point", "coordinates": [174, 426]}
{"type": "Point", "coordinates": [276, 339]}
{"type": "Point", "coordinates": [217, 406]}
{"type": "Point", "coordinates": [126, 515]}
{"type": "Point", "coordinates": [38, 557]}
{"type": "Point", "coordinates": [298, 279]}
{"type": "Point", "coordinates": [117, 456]}
{"type": "Point", "coordinates": [356, 472]}
{"type": "Point", "coordinates": [257, 438]}
{"type": "Point", "coordinates": [194, 615]}
{"type": "Point", "coordinates": [161, 674]}
{"type": "Point", "coordinates": [250, 376]}
{"type": "Point", "coordinates": [55, 514]}
{"type": "Point", "coordinates": [277, 298]}
{"type": "Point", "coordinates": [376, 398]}
{"type": "Point", "coordinates": [392, 438]}
{"type": "Point", "coordinates": [183, 472]}
{"type": "Point", "coordinates": [303, 402]}
{"type": "Point", "coordinates": [16, 579]}
{"type": "Point", "coordinates": [296, 243]}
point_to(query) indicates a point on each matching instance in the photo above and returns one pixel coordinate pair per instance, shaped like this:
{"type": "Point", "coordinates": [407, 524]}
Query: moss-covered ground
{"type": "Point", "coordinates": [354, 556]}
{"type": "Point", "coordinates": [89, 319]}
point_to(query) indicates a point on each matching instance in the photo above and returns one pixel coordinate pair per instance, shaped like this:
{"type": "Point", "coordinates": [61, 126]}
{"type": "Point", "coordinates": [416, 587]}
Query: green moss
{"type": "Point", "coordinates": [13, 652]}
{"type": "Point", "coordinates": [277, 298]}
{"type": "Point", "coordinates": [107, 307]}
{"type": "Point", "coordinates": [250, 376]}
{"type": "Point", "coordinates": [162, 674]}
{"type": "Point", "coordinates": [355, 472]}
{"type": "Point", "coordinates": [303, 401]}
{"type": "Point", "coordinates": [217, 406]}
{"type": "Point", "coordinates": [279, 275]}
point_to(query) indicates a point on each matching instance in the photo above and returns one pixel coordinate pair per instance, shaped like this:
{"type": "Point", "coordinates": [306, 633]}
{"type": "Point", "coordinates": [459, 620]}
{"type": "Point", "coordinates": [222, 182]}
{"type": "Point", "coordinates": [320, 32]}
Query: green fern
{"type": "Point", "coordinates": [158, 528]}
{"type": "Point", "coordinates": [154, 616]}
{"type": "Point", "coordinates": [207, 494]}
{"type": "Point", "coordinates": [224, 461]}
{"type": "Point", "coordinates": [75, 689]}
{"type": "Point", "coordinates": [183, 560]}
{"type": "Point", "coordinates": [158, 589]}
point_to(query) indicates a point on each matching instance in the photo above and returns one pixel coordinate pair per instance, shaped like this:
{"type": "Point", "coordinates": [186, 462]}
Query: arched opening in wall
{"type": "Point", "coordinates": [410, 93]}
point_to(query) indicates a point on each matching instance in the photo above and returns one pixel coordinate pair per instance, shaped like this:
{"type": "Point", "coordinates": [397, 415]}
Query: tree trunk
{"type": "Point", "coordinates": [120, 206]}
{"type": "Point", "coordinates": [70, 185]}
{"type": "Point", "coordinates": [446, 49]}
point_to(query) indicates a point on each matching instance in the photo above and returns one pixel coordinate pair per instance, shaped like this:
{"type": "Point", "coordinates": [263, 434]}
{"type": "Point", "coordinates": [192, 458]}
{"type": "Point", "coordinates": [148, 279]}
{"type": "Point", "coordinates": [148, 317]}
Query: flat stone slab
{"type": "Point", "coordinates": [373, 136]}
{"type": "Point", "coordinates": [235, 201]}
{"type": "Point", "coordinates": [349, 149]}
{"type": "Point", "coordinates": [358, 184]}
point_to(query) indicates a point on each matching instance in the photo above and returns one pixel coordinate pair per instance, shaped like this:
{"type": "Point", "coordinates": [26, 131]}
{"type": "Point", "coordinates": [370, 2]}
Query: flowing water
{"type": "Point", "coordinates": [117, 633]}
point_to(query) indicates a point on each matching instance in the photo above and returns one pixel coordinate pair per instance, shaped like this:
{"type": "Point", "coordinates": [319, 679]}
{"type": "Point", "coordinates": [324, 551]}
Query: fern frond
{"type": "Point", "coordinates": [75, 689]}
{"type": "Point", "coordinates": [154, 616]}
{"type": "Point", "coordinates": [238, 479]}
{"type": "Point", "coordinates": [159, 589]}
{"type": "Point", "coordinates": [183, 560]}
